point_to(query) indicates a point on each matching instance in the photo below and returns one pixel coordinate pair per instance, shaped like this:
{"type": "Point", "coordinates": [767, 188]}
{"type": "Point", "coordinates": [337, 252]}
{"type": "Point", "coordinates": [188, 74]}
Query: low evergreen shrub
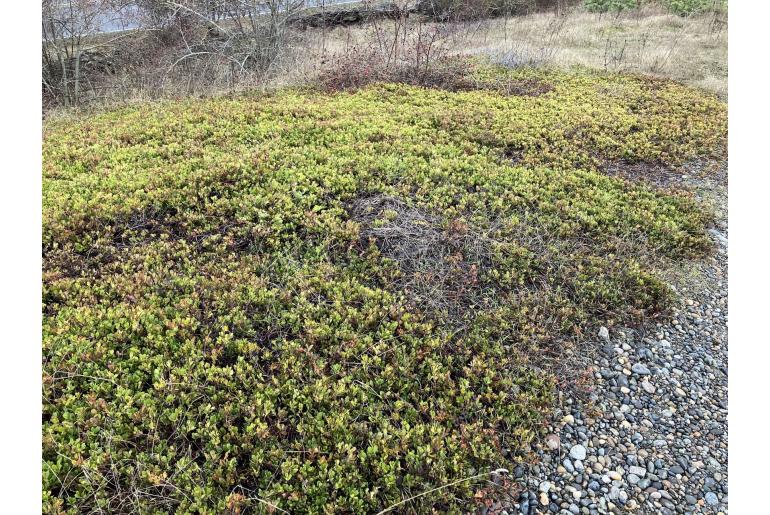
{"type": "Point", "coordinates": [226, 328]}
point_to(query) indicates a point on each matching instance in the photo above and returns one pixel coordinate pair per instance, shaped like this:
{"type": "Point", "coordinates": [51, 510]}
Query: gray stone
{"type": "Point", "coordinates": [578, 452]}
{"type": "Point", "coordinates": [552, 441]}
{"type": "Point", "coordinates": [648, 387]}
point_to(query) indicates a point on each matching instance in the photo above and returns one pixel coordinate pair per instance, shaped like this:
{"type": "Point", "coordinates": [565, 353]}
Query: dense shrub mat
{"type": "Point", "coordinates": [222, 332]}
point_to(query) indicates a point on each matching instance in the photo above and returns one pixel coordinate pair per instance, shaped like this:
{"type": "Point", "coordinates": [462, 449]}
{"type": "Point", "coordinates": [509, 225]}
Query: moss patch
{"type": "Point", "coordinates": [218, 326]}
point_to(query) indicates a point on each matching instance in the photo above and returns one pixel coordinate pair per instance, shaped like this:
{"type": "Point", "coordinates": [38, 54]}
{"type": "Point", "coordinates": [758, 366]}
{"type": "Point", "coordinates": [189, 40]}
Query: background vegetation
{"type": "Point", "coordinates": [678, 7]}
{"type": "Point", "coordinates": [174, 49]}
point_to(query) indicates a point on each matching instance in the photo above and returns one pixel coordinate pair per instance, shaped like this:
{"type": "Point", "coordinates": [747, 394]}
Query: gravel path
{"type": "Point", "coordinates": [652, 437]}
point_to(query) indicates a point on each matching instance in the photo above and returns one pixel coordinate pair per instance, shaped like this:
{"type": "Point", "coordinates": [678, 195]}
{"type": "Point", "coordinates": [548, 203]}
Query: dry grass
{"type": "Point", "coordinates": [692, 50]}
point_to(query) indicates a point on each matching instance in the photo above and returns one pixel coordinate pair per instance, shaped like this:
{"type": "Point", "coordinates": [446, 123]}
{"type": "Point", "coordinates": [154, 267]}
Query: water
{"type": "Point", "coordinates": [126, 19]}
{"type": "Point", "coordinates": [100, 19]}
{"type": "Point", "coordinates": [130, 16]}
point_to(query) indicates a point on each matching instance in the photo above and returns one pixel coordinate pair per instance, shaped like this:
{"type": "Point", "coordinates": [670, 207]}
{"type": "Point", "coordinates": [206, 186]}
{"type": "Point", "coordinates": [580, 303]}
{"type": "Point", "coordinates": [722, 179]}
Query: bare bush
{"type": "Point", "coordinates": [174, 46]}
{"type": "Point", "coordinates": [232, 40]}
{"type": "Point", "coordinates": [71, 50]}
{"type": "Point", "coordinates": [397, 50]}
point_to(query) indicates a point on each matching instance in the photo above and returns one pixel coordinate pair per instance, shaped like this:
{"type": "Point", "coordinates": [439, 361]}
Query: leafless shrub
{"type": "Point", "coordinates": [71, 49]}
{"type": "Point", "coordinates": [250, 41]}
{"type": "Point", "coordinates": [614, 53]}
{"type": "Point", "coordinates": [182, 47]}
{"type": "Point", "coordinates": [396, 51]}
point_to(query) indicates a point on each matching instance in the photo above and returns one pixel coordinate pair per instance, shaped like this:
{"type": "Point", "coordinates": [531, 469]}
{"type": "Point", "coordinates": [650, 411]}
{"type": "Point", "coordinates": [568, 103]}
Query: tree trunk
{"type": "Point", "coordinates": [76, 78]}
